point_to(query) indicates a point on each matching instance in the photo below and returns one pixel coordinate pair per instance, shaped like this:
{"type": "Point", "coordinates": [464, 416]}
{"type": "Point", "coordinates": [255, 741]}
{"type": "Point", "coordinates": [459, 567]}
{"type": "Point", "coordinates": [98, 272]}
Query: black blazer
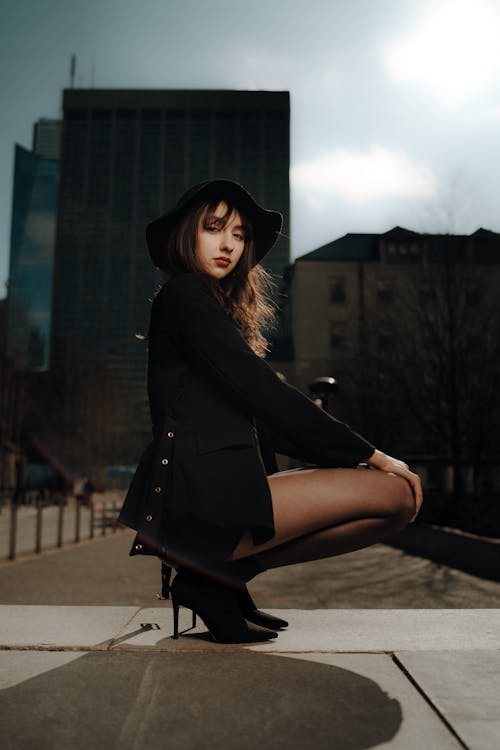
{"type": "Point", "coordinates": [219, 411]}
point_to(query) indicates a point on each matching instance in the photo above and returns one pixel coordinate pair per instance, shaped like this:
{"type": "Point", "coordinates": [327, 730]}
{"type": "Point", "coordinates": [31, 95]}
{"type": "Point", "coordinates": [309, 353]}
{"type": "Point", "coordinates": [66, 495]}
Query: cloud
{"type": "Point", "coordinates": [358, 176]}
{"type": "Point", "coordinates": [454, 50]}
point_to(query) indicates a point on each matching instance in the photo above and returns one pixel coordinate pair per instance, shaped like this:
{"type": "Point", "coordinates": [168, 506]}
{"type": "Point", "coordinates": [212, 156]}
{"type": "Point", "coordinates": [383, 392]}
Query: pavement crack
{"type": "Point", "coordinates": [120, 636]}
{"type": "Point", "coordinates": [430, 702]}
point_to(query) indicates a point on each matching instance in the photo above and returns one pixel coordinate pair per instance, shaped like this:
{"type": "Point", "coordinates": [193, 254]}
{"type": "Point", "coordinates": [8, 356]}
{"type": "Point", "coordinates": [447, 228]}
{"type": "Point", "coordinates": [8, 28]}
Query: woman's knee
{"type": "Point", "coordinates": [403, 498]}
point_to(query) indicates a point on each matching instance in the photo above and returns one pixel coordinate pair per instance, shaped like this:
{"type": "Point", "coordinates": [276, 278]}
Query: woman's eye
{"type": "Point", "coordinates": [239, 236]}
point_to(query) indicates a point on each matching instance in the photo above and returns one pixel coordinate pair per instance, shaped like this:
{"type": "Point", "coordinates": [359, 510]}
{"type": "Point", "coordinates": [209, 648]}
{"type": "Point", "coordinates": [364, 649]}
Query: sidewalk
{"type": "Point", "coordinates": [75, 677]}
{"type": "Point", "coordinates": [379, 577]}
{"type": "Point", "coordinates": [384, 649]}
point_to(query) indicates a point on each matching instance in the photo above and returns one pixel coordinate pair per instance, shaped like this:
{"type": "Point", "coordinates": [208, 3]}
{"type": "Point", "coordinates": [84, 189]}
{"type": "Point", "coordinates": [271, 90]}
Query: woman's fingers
{"type": "Point", "coordinates": [416, 485]}
{"type": "Point", "coordinates": [381, 461]}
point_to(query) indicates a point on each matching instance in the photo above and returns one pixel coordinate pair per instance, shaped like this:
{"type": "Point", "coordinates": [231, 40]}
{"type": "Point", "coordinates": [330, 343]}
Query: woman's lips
{"type": "Point", "coordinates": [222, 261]}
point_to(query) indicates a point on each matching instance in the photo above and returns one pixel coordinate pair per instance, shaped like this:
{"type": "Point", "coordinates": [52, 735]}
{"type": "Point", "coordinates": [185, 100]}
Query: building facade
{"type": "Point", "coordinates": [32, 238]}
{"type": "Point", "coordinates": [406, 323]}
{"type": "Point", "coordinates": [127, 155]}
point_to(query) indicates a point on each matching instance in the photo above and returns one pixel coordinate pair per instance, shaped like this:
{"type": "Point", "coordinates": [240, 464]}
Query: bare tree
{"type": "Point", "coordinates": [444, 359]}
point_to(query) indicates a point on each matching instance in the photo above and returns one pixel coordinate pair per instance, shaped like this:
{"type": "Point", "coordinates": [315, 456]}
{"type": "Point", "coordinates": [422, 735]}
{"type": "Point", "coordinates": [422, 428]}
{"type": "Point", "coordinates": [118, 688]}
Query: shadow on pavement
{"type": "Point", "coordinates": [199, 700]}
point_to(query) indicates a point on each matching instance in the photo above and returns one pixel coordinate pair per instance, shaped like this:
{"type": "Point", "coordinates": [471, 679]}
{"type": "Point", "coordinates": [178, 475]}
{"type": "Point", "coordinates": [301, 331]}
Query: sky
{"type": "Point", "coordinates": [395, 106]}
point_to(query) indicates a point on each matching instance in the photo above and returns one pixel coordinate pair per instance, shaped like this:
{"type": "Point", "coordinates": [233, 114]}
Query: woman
{"type": "Point", "coordinates": [207, 496]}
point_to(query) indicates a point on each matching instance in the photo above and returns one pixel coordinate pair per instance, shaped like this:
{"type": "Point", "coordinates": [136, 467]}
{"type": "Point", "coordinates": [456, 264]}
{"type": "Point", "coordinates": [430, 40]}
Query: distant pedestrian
{"type": "Point", "coordinates": [88, 491]}
{"type": "Point", "coordinates": [207, 496]}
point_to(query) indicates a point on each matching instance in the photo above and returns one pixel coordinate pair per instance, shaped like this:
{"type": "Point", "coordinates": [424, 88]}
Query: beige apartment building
{"type": "Point", "coordinates": [354, 305]}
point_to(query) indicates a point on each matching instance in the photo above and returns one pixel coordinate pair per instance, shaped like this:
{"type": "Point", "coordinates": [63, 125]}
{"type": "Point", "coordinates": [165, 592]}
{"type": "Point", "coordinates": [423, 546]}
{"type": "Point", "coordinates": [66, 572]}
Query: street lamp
{"type": "Point", "coordinates": [321, 389]}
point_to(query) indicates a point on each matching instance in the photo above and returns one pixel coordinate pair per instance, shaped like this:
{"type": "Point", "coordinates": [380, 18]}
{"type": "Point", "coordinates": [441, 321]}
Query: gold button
{"type": "Point", "coordinates": [164, 460]}
{"type": "Point", "coordinates": [157, 489]}
{"type": "Point", "coordinates": [149, 517]}
{"type": "Point", "coordinates": [138, 546]}
{"type": "Point", "coordinates": [170, 434]}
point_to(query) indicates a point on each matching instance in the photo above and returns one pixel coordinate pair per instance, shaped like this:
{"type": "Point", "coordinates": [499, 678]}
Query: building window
{"type": "Point", "coordinates": [385, 338]}
{"type": "Point", "coordinates": [337, 335]}
{"type": "Point", "coordinates": [403, 251]}
{"type": "Point", "coordinates": [384, 289]}
{"type": "Point", "coordinates": [337, 289]}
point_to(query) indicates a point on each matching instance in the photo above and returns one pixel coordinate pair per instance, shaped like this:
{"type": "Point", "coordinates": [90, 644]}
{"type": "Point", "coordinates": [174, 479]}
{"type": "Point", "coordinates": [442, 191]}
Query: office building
{"type": "Point", "coordinates": [126, 157]}
{"type": "Point", "coordinates": [31, 256]}
{"type": "Point", "coordinates": [47, 138]}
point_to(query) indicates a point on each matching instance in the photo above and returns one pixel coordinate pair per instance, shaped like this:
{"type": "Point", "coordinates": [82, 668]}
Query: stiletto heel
{"type": "Point", "coordinates": [217, 607]}
{"type": "Point", "coordinates": [175, 608]}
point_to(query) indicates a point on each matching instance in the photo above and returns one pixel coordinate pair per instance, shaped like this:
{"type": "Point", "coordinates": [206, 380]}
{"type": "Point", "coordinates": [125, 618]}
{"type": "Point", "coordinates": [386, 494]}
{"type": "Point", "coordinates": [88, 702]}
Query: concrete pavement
{"type": "Point", "coordinates": [383, 650]}
{"type": "Point", "coordinates": [112, 676]}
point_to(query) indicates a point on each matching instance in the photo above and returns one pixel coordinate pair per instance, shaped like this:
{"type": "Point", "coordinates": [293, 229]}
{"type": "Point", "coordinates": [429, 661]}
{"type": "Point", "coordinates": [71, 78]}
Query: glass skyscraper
{"type": "Point", "coordinates": [126, 157]}
{"type": "Point", "coordinates": [31, 259]}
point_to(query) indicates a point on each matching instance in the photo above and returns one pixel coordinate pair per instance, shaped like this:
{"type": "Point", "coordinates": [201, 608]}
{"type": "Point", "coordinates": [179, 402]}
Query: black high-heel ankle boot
{"type": "Point", "coordinates": [217, 606]}
{"type": "Point", "coordinates": [237, 573]}
{"type": "Point", "coordinates": [257, 616]}
{"type": "Point", "coordinates": [245, 602]}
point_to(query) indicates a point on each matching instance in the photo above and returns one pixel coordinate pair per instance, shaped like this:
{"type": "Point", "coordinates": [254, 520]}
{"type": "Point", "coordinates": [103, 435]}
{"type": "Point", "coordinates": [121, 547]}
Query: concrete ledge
{"type": "Point", "coordinates": [335, 631]}
{"type": "Point", "coordinates": [477, 555]}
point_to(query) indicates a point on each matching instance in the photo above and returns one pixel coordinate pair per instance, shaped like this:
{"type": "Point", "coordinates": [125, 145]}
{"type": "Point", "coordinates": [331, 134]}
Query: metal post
{"type": "Point", "coordinates": [38, 533]}
{"type": "Point", "coordinates": [13, 527]}
{"type": "Point", "coordinates": [77, 519]}
{"type": "Point", "coordinates": [103, 512]}
{"type": "Point", "coordinates": [115, 523]}
{"type": "Point", "coordinates": [92, 519]}
{"type": "Point", "coordinates": [60, 522]}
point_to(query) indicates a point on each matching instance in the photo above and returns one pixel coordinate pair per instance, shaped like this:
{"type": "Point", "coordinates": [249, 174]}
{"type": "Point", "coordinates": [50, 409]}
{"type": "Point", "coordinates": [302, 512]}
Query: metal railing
{"type": "Point", "coordinates": [33, 520]}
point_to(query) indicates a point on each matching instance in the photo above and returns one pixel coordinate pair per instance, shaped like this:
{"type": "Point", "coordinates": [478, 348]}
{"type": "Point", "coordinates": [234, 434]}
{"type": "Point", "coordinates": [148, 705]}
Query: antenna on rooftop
{"type": "Point", "coordinates": [72, 69]}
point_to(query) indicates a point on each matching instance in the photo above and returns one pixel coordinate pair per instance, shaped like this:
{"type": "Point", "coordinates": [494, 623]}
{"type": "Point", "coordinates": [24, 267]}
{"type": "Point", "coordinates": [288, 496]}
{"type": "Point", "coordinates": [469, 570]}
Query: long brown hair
{"type": "Point", "coordinates": [245, 293]}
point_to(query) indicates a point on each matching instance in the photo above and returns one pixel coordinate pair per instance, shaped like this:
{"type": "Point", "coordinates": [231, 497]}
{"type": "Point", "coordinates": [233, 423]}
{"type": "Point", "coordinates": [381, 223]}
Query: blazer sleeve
{"type": "Point", "coordinates": [211, 340]}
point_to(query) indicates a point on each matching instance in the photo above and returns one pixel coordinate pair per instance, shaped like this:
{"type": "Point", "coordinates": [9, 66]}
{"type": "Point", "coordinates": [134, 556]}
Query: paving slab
{"type": "Point", "coordinates": [364, 630]}
{"type": "Point", "coordinates": [216, 701]}
{"type": "Point", "coordinates": [420, 725]}
{"type": "Point", "coordinates": [51, 627]}
{"type": "Point", "coordinates": [18, 666]}
{"type": "Point", "coordinates": [465, 687]}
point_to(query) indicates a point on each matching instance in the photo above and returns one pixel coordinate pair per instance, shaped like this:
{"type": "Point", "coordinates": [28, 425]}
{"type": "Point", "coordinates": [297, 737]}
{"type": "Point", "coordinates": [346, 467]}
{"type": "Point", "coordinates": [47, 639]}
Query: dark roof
{"type": "Point", "coordinates": [484, 234]}
{"type": "Point", "coordinates": [353, 246]}
{"type": "Point", "coordinates": [349, 247]}
{"type": "Point", "coordinates": [399, 233]}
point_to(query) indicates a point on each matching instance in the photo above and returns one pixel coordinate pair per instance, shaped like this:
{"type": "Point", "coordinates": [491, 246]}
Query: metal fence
{"type": "Point", "coordinates": [33, 520]}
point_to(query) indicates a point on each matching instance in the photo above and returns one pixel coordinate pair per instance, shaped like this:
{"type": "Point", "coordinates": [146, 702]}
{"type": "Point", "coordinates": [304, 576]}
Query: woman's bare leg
{"type": "Point", "coordinates": [325, 512]}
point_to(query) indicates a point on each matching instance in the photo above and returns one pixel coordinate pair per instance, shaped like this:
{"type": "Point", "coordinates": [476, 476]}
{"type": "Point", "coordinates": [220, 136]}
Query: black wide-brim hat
{"type": "Point", "coordinates": [266, 224]}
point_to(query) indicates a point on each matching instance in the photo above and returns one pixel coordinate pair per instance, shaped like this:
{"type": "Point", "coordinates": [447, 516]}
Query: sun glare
{"type": "Point", "coordinates": [454, 50]}
{"type": "Point", "coordinates": [360, 176]}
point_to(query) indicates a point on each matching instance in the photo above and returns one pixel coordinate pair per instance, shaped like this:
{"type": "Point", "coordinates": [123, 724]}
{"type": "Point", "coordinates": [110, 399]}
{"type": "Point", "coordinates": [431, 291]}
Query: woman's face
{"type": "Point", "coordinates": [216, 240]}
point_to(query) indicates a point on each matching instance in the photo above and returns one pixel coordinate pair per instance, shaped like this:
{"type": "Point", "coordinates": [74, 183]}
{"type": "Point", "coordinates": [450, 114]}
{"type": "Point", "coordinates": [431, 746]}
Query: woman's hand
{"type": "Point", "coordinates": [382, 461]}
